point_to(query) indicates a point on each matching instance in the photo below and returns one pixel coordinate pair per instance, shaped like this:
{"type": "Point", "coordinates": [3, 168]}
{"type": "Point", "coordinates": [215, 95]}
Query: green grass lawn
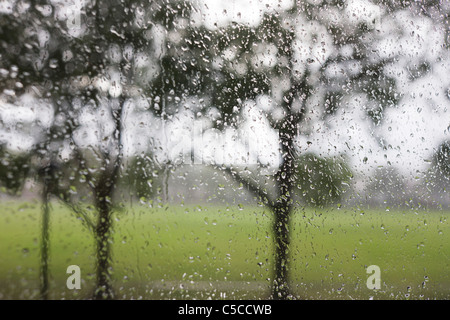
{"type": "Point", "coordinates": [226, 252]}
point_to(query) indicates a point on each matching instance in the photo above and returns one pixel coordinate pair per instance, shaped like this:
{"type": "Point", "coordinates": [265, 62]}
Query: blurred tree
{"type": "Point", "coordinates": [85, 59]}
{"type": "Point", "coordinates": [322, 181]}
{"type": "Point", "coordinates": [387, 188]}
{"type": "Point", "coordinates": [307, 58]}
{"type": "Point", "coordinates": [14, 169]}
{"type": "Point", "coordinates": [441, 160]}
{"type": "Point", "coordinates": [142, 177]}
{"type": "Point", "coordinates": [437, 178]}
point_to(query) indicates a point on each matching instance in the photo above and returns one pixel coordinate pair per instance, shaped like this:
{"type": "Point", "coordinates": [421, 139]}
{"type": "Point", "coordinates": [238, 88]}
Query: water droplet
{"type": "Point", "coordinates": [53, 63]}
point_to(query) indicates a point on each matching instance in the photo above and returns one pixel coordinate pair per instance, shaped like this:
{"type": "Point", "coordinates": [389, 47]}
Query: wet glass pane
{"type": "Point", "coordinates": [193, 149]}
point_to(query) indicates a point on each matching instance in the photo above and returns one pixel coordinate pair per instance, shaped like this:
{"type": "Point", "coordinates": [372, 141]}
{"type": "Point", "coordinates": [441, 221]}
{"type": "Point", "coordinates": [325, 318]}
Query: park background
{"type": "Point", "coordinates": [224, 150]}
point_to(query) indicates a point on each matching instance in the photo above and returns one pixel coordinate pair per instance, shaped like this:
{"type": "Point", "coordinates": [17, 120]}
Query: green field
{"type": "Point", "coordinates": [216, 252]}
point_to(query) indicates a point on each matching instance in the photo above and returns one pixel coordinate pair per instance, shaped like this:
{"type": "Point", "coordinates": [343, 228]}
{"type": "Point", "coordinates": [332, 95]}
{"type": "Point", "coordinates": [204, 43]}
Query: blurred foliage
{"type": "Point", "coordinates": [437, 178]}
{"type": "Point", "coordinates": [441, 160]}
{"type": "Point", "coordinates": [387, 187]}
{"type": "Point", "coordinates": [142, 178]}
{"type": "Point", "coordinates": [13, 171]}
{"type": "Point", "coordinates": [322, 181]}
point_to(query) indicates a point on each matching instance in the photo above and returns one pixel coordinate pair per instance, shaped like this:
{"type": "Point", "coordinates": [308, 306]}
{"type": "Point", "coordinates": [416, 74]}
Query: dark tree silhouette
{"type": "Point", "coordinates": [62, 61]}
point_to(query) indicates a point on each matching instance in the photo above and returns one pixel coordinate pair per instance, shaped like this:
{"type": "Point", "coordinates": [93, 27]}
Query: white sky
{"type": "Point", "coordinates": [219, 13]}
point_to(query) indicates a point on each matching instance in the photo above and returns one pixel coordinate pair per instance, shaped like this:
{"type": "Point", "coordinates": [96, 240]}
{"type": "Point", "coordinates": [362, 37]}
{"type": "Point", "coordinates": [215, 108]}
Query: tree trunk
{"type": "Point", "coordinates": [103, 289]}
{"type": "Point", "coordinates": [104, 191]}
{"type": "Point", "coordinates": [45, 241]}
{"type": "Point", "coordinates": [282, 213]}
{"type": "Point", "coordinates": [280, 288]}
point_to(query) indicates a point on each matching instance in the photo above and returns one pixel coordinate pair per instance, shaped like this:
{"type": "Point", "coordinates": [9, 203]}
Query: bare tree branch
{"type": "Point", "coordinates": [252, 187]}
{"type": "Point", "coordinates": [79, 212]}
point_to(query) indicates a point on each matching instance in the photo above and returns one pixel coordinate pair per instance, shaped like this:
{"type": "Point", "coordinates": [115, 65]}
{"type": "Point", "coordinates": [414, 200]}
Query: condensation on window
{"type": "Point", "coordinates": [193, 149]}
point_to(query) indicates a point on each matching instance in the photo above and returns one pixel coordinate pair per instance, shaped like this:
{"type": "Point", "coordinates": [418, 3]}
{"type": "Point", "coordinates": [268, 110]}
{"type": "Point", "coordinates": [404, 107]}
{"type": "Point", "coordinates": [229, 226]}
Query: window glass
{"type": "Point", "coordinates": [261, 149]}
